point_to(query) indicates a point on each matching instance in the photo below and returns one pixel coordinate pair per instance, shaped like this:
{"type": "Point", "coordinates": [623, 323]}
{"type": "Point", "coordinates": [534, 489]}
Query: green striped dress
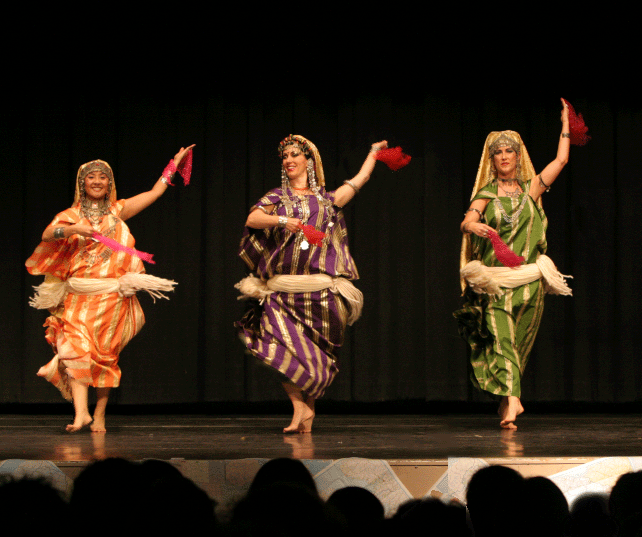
{"type": "Point", "coordinates": [501, 330]}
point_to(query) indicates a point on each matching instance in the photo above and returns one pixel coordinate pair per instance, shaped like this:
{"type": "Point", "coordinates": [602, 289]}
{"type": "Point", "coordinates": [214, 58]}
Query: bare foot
{"type": "Point", "coordinates": [301, 421]}
{"type": "Point", "coordinates": [98, 425]}
{"type": "Point", "coordinates": [80, 422]}
{"type": "Point", "coordinates": [303, 410]}
{"type": "Point", "coordinates": [509, 409]}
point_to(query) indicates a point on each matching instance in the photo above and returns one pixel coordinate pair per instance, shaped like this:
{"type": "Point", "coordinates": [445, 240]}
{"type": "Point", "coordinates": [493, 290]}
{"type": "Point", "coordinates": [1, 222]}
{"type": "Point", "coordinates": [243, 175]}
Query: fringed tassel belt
{"type": "Point", "coordinates": [53, 291]}
{"type": "Point", "coordinates": [490, 280]}
{"type": "Point", "coordinates": [253, 287]}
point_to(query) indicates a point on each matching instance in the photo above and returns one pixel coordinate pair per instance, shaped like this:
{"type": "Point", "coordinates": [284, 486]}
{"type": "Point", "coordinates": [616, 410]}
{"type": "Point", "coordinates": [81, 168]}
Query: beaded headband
{"type": "Point", "coordinates": [297, 141]}
{"type": "Point", "coordinates": [95, 166]}
{"type": "Point", "coordinates": [504, 140]}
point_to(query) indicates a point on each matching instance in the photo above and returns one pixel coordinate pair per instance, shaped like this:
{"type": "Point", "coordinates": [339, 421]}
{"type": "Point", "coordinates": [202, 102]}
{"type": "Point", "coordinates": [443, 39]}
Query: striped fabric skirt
{"type": "Point", "coordinates": [87, 335]}
{"type": "Point", "coordinates": [299, 335]}
{"type": "Point", "coordinates": [501, 333]}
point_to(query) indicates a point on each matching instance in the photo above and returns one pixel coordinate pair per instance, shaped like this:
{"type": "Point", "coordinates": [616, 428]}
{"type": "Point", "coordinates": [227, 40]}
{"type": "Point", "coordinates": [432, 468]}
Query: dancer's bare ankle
{"type": "Point", "coordinates": [509, 408]}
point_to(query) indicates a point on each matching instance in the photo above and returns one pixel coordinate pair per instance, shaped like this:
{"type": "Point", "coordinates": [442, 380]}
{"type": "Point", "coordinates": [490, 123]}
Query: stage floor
{"type": "Point", "coordinates": [389, 437]}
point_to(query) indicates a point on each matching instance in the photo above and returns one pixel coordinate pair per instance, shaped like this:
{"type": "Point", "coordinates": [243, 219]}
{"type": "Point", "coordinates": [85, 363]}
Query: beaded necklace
{"type": "Point", "coordinates": [301, 204]}
{"type": "Point", "coordinates": [94, 210]}
{"type": "Point", "coordinates": [516, 213]}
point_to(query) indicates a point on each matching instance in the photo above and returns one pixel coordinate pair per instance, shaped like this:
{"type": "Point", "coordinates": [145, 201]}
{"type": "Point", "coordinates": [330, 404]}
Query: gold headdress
{"type": "Point", "coordinates": [94, 166]}
{"type": "Point", "coordinates": [309, 150]}
{"type": "Point", "coordinates": [505, 139]}
{"type": "Point", "coordinates": [486, 174]}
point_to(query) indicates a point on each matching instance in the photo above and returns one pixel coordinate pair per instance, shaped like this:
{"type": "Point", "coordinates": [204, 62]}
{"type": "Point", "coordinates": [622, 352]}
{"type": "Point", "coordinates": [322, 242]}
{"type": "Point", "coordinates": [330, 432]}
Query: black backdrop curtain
{"type": "Point", "coordinates": [403, 230]}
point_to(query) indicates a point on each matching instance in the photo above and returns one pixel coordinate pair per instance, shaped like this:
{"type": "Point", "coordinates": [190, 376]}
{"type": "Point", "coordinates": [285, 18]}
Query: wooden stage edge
{"type": "Point", "coordinates": [397, 456]}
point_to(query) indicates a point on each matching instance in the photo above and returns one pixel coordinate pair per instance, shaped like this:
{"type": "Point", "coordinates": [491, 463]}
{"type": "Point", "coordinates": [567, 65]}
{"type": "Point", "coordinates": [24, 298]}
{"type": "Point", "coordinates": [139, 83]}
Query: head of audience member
{"type": "Point", "coordinates": [625, 507]}
{"type": "Point", "coordinates": [170, 499]}
{"type": "Point", "coordinates": [359, 507]}
{"type": "Point", "coordinates": [543, 508]}
{"type": "Point", "coordinates": [590, 517]}
{"type": "Point", "coordinates": [31, 506]}
{"type": "Point", "coordinates": [283, 470]}
{"type": "Point", "coordinates": [431, 516]}
{"type": "Point", "coordinates": [492, 498]}
{"type": "Point", "coordinates": [152, 496]}
{"type": "Point", "coordinates": [283, 509]}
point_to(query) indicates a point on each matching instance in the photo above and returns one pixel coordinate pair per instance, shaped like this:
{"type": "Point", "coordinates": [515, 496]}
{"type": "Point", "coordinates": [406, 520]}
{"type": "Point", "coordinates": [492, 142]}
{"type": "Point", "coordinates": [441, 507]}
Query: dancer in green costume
{"type": "Point", "coordinates": [503, 306]}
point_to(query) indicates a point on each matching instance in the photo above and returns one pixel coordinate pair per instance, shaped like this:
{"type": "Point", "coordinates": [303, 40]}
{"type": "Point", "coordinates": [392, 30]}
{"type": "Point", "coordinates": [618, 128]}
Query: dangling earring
{"type": "Point", "coordinates": [312, 178]}
{"type": "Point", "coordinates": [518, 170]}
{"type": "Point", "coordinates": [493, 170]}
{"type": "Point", "coordinates": [285, 182]}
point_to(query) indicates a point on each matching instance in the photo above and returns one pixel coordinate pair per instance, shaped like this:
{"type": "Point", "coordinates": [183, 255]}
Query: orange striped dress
{"type": "Point", "coordinates": [88, 332]}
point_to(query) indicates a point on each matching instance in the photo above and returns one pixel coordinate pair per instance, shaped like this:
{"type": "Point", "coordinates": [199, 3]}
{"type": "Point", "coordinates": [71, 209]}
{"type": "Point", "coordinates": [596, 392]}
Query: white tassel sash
{"type": "Point", "coordinates": [491, 280]}
{"type": "Point", "coordinates": [253, 287]}
{"type": "Point", "coordinates": [52, 292]}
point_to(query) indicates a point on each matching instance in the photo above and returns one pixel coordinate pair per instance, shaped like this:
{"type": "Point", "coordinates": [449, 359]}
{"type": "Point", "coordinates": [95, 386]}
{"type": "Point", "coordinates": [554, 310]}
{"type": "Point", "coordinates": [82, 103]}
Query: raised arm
{"type": "Point", "coordinates": [348, 190]}
{"type": "Point", "coordinates": [136, 204]}
{"type": "Point", "coordinates": [544, 180]}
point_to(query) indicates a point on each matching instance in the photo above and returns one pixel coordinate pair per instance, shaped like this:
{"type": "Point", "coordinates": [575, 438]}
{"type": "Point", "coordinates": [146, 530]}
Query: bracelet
{"type": "Point", "coordinates": [543, 184]}
{"type": "Point", "coordinates": [168, 173]}
{"type": "Point", "coordinates": [566, 135]}
{"type": "Point", "coordinates": [283, 221]}
{"type": "Point", "coordinates": [481, 216]}
{"type": "Point", "coordinates": [59, 233]}
{"type": "Point", "coordinates": [464, 229]}
{"type": "Point", "coordinates": [350, 183]}
{"type": "Point", "coordinates": [374, 149]}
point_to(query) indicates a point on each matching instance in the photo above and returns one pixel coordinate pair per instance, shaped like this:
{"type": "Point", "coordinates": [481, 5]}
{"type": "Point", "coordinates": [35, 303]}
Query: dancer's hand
{"type": "Point", "coordinates": [564, 117]}
{"type": "Point", "coordinates": [181, 154]}
{"type": "Point", "coordinates": [293, 225]}
{"type": "Point", "coordinates": [85, 231]}
{"type": "Point", "coordinates": [379, 145]}
{"type": "Point", "coordinates": [479, 229]}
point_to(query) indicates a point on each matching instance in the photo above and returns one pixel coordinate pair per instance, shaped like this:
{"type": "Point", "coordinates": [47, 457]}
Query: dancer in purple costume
{"type": "Point", "coordinates": [306, 297]}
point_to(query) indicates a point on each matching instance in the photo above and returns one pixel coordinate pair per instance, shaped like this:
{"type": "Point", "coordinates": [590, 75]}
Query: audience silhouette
{"type": "Point", "coordinates": [116, 496]}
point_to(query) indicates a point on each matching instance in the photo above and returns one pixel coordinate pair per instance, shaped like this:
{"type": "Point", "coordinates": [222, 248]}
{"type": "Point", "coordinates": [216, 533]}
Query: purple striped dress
{"type": "Point", "coordinates": [298, 334]}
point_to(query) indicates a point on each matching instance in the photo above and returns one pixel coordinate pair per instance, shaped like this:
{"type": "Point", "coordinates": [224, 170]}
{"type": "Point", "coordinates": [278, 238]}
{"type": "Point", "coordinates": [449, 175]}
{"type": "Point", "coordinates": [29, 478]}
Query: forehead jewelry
{"type": "Point", "coordinates": [503, 140]}
{"type": "Point", "coordinates": [293, 141]}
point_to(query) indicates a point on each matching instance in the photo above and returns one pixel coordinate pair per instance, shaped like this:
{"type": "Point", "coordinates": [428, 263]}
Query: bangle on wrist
{"type": "Point", "coordinates": [350, 183]}
{"type": "Point", "coordinates": [283, 221]}
{"type": "Point", "coordinates": [464, 228]}
{"type": "Point", "coordinates": [59, 233]}
{"type": "Point", "coordinates": [566, 135]}
{"type": "Point", "coordinates": [168, 173]}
